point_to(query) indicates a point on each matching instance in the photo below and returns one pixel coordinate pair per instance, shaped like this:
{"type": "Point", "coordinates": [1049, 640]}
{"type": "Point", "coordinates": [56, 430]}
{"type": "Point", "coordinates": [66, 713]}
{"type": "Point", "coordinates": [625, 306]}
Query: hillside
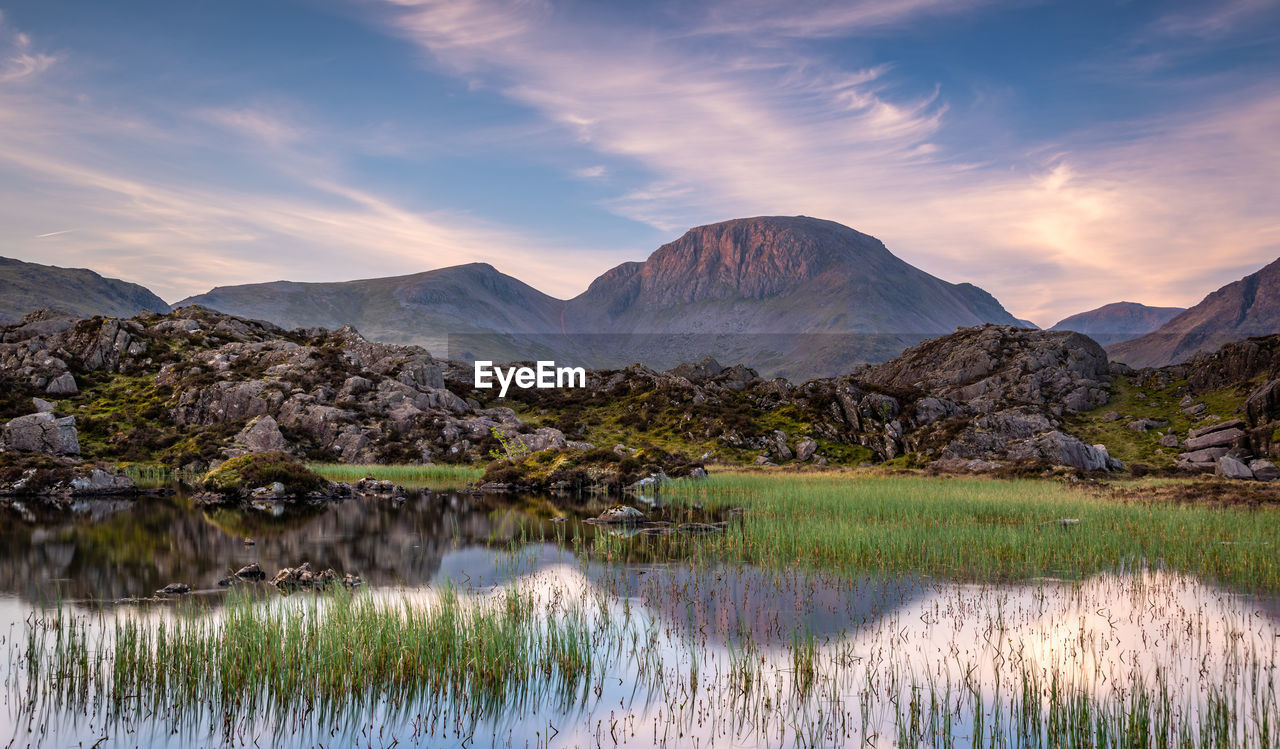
{"type": "Point", "coordinates": [27, 287]}
{"type": "Point", "coordinates": [1242, 309]}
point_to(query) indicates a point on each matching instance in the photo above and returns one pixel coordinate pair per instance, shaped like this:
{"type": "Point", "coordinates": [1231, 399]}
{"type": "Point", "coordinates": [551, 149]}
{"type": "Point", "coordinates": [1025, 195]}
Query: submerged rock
{"type": "Point", "coordinates": [174, 589]}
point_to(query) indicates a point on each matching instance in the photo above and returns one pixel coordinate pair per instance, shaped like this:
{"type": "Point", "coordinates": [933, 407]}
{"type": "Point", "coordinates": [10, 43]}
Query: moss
{"type": "Point", "coordinates": [247, 472]}
{"type": "Point", "coordinates": [1153, 398]}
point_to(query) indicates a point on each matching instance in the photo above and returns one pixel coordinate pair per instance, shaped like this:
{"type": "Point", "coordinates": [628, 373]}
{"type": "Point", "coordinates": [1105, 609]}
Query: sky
{"type": "Point", "coordinates": [1061, 155]}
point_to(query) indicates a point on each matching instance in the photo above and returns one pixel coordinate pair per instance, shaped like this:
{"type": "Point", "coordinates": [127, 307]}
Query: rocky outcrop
{"type": "Point", "coordinates": [994, 366]}
{"type": "Point", "coordinates": [42, 433]}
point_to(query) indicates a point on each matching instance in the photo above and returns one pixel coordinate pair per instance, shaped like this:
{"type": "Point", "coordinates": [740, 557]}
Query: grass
{"type": "Point", "coordinates": [973, 529]}
{"type": "Point", "coordinates": [1135, 399]}
{"type": "Point", "coordinates": [408, 476]}
{"type": "Point", "coordinates": [325, 653]}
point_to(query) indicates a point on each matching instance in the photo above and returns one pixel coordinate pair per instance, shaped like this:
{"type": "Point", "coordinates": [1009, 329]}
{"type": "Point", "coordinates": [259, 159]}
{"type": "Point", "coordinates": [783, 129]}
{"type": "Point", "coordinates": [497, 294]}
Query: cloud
{"type": "Point", "coordinates": [1213, 20]}
{"type": "Point", "coordinates": [824, 18]}
{"type": "Point", "coordinates": [17, 59]}
{"type": "Point", "coordinates": [184, 209]}
{"type": "Point", "coordinates": [591, 172]}
{"type": "Point", "coordinates": [730, 123]}
{"type": "Point", "coordinates": [259, 124]}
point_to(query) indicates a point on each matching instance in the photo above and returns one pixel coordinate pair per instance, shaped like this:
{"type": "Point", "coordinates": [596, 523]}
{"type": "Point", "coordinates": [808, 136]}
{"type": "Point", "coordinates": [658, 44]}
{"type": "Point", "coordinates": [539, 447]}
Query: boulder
{"type": "Point", "coordinates": [251, 572]}
{"type": "Point", "coordinates": [620, 515]}
{"type": "Point", "coordinates": [42, 406]}
{"type": "Point", "coordinates": [1216, 426]}
{"type": "Point", "coordinates": [1229, 467]}
{"type": "Point", "coordinates": [1111, 416]}
{"type": "Point", "coordinates": [174, 589]}
{"type": "Point", "coordinates": [1216, 438]}
{"type": "Point", "coordinates": [42, 433]}
{"type": "Point", "coordinates": [805, 449]}
{"type": "Point", "coordinates": [1264, 470]}
{"type": "Point", "coordinates": [1205, 455]}
{"type": "Point", "coordinates": [63, 384]}
{"type": "Point", "coordinates": [98, 481]}
{"type": "Point", "coordinates": [1146, 425]}
{"type": "Point", "coordinates": [261, 435]}
{"type": "Point", "coordinates": [1169, 440]}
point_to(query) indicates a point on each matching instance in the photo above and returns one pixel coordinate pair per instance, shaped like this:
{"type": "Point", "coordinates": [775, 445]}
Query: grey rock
{"type": "Point", "coordinates": [262, 434]}
{"type": "Point", "coordinates": [1217, 426]}
{"type": "Point", "coordinates": [805, 449]}
{"type": "Point", "coordinates": [98, 481]}
{"type": "Point", "coordinates": [928, 410]}
{"type": "Point", "coordinates": [1264, 470]}
{"type": "Point", "coordinates": [42, 406]}
{"type": "Point", "coordinates": [63, 384]}
{"type": "Point", "coordinates": [1147, 425]}
{"type": "Point", "coordinates": [620, 515]}
{"type": "Point", "coordinates": [174, 589]}
{"type": "Point", "coordinates": [1229, 467]}
{"type": "Point", "coordinates": [1218, 438]}
{"type": "Point", "coordinates": [1195, 410]}
{"type": "Point", "coordinates": [1111, 416]}
{"type": "Point", "coordinates": [1169, 440]}
{"type": "Point", "coordinates": [42, 433]}
{"type": "Point", "coordinates": [1205, 455]}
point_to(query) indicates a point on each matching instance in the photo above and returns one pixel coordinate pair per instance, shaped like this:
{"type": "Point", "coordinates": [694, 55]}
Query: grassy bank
{"type": "Point", "coordinates": [408, 476]}
{"type": "Point", "coordinates": [970, 528]}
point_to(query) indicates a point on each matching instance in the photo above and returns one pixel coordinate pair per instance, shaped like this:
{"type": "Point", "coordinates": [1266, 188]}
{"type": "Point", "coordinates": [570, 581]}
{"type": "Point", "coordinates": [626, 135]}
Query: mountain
{"type": "Point", "coordinates": [474, 300]}
{"type": "Point", "coordinates": [1118, 321]}
{"type": "Point", "coordinates": [1242, 309]}
{"type": "Point", "coordinates": [27, 287]}
{"type": "Point", "coordinates": [791, 296]}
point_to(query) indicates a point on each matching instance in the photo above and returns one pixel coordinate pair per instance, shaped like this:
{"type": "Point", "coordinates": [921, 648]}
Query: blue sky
{"type": "Point", "coordinates": [1062, 155]}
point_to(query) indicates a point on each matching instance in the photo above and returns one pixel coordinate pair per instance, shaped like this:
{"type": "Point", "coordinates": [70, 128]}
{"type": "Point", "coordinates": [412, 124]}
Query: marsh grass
{"type": "Point", "coordinates": [322, 655]}
{"type": "Point", "coordinates": [971, 529]}
{"type": "Point", "coordinates": [408, 476]}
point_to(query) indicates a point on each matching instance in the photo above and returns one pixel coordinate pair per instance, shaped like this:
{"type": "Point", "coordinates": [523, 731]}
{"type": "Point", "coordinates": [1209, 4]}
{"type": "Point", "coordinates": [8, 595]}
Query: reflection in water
{"type": "Point", "coordinates": [686, 655]}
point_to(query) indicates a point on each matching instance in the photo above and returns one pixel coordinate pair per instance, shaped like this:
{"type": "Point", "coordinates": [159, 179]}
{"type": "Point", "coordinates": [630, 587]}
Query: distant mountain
{"type": "Point", "coordinates": [1118, 321]}
{"type": "Point", "coordinates": [791, 296]}
{"type": "Point", "coordinates": [27, 287]}
{"type": "Point", "coordinates": [473, 301]}
{"type": "Point", "coordinates": [1242, 309]}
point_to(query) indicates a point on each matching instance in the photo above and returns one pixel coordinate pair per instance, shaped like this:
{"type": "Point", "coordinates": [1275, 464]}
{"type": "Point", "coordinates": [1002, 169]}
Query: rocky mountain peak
{"type": "Point", "coordinates": [751, 258]}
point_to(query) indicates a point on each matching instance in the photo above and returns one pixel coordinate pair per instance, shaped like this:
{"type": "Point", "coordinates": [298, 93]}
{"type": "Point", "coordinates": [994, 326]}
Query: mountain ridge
{"type": "Point", "coordinates": [1241, 309]}
{"type": "Point", "coordinates": [26, 287]}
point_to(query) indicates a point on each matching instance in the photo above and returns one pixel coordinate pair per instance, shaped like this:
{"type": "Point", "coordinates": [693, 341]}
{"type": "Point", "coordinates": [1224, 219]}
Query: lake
{"type": "Point", "coordinates": [650, 648]}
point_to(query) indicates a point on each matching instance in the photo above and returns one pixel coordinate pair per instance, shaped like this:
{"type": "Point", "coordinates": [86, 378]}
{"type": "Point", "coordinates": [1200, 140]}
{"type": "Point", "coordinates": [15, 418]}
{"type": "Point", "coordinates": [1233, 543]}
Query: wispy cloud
{"type": "Point", "coordinates": [151, 210]}
{"type": "Point", "coordinates": [591, 172]}
{"type": "Point", "coordinates": [735, 126]}
{"type": "Point", "coordinates": [18, 60]}
{"type": "Point", "coordinates": [268, 127]}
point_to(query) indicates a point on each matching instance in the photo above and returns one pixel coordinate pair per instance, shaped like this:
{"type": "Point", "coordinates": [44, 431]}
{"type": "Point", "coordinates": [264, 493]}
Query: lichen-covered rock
{"type": "Point", "coordinates": [994, 366]}
{"type": "Point", "coordinates": [262, 434]}
{"type": "Point", "coordinates": [42, 433]}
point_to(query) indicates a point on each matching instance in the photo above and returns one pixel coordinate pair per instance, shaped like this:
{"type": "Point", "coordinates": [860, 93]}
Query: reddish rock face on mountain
{"type": "Point", "coordinates": [1119, 321]}
{"type": "Point", "coordinates": [1242, 309]}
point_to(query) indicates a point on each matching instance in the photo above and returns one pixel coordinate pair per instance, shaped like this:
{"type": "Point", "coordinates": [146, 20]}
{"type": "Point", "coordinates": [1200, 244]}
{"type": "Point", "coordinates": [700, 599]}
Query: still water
{"type": "Point", "coordinates": [683, 654]}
